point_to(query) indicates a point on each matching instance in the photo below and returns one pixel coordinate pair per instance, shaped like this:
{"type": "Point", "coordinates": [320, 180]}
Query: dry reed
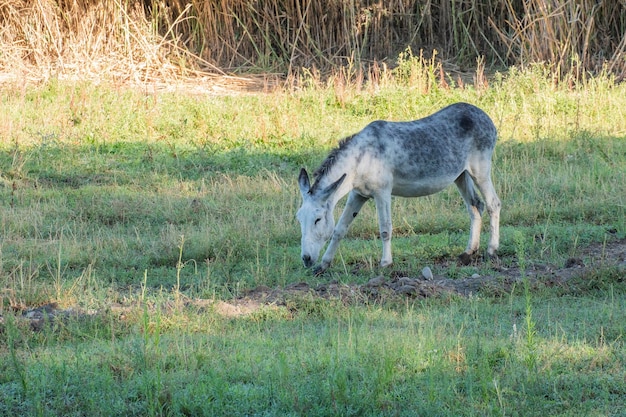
{"type": "Point", "coordinates": [157, 39]}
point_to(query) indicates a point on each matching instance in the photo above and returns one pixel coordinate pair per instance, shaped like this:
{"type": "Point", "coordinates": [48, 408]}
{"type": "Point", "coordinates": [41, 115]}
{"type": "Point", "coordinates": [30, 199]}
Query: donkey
{"type": "Point", "coordinates": [407, 159]}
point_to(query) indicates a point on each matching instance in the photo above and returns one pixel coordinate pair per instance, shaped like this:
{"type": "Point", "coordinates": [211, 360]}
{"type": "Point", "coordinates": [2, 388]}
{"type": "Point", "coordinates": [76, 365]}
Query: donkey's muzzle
{"type": "Point", "coordinates": [308, 262]}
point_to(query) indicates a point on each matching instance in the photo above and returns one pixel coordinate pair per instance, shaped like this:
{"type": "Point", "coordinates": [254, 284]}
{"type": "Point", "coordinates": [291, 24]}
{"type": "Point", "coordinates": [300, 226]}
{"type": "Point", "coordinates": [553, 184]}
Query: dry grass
{"type": "Point", "coordinates": [89, 39]}
{"type": "Point", "coordinates": [572, 36]}
{"type": "Point", "coordinates": [139, 41]}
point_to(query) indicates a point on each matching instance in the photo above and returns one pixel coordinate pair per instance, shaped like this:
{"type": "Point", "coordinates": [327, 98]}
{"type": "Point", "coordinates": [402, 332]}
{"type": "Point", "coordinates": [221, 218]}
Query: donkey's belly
{"type": "Point", "coordinates": [420, 188]}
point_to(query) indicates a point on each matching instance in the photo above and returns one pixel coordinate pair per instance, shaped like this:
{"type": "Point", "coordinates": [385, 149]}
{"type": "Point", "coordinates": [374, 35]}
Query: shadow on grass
{"type": "Point", "coordinates": [141, 164]}
{"type": "Point", "coordinates": [118, 163]}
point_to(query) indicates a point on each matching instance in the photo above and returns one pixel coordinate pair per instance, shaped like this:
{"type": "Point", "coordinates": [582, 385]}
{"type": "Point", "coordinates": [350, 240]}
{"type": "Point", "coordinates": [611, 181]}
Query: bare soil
{"type": "Point", "coordinates": [402, 284]}
{"type": "Point", "coordinates": [396, 285]}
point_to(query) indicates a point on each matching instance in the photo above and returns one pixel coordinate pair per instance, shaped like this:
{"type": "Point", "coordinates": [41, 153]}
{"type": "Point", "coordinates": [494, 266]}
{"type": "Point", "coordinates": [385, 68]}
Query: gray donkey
{"type": "Point", "coordinates": [407, 159]}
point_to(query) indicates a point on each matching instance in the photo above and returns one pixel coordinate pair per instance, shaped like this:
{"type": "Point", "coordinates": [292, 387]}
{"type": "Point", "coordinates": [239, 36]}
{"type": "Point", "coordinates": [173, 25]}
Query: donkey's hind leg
{"type": "Point", "coordinates": [485, 185]}
{"type": "Point", "coordinates": [475, 209]}
{"type": "Point", "coordinates": [481, 173]}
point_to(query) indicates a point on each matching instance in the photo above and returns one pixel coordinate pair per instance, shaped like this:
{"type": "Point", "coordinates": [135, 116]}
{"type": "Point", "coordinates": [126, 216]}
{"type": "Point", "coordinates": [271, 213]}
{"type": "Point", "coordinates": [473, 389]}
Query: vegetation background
{"type": "Point", "coordinates": [149, 255]}
{"type": "Point", "coordinates": [155, 38]}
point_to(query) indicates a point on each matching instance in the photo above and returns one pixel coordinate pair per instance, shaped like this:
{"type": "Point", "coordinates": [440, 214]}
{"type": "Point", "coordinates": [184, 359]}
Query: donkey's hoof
{"type": "Point", "coordinates": [465, 259]}
{"type": "Point", "coordinates": [493, 258]}
{"type": "Point", "coordinates": [318, 270]}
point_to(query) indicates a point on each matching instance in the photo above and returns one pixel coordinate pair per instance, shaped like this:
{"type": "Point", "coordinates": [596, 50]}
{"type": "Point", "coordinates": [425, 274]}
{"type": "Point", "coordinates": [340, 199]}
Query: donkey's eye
{"type": "Point", "coordinates": [317, 220]}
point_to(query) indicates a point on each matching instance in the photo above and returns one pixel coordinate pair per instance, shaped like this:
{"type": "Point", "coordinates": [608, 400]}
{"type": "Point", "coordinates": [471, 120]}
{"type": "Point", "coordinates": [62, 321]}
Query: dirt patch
{"type": "Point", "coordinates": [402, 284]}
{"type": "Point", "coordinates": [36, 318]}
{"type": "Point", "coordinates": [397, 284]}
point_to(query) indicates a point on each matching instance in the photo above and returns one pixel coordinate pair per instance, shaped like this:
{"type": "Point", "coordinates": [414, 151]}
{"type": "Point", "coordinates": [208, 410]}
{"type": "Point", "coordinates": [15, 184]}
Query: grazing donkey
{"type": "Point", "coordinates": [408, 159]}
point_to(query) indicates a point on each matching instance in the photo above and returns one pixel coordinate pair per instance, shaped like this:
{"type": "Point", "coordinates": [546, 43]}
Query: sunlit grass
{"type": "Point", "coordinates": [461, 357]}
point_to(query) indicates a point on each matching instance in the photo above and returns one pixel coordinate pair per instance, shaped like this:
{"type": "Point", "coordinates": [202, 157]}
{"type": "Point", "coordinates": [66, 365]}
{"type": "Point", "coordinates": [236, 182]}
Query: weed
{"type": "Point", "coordinates": [530, 357]}
{"type": "Point", "coordinates": [19, 369]}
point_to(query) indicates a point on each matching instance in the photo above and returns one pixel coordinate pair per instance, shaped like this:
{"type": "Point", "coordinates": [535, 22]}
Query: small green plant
{"type": "Point", "coordinates": [530, 357]}
{"type": "Point", "coordinates": [417, 71]}
{"type": "Point", "coordinates": [151, 357]}
{"type": "Point", "coordinates": [13, 335]}
{"type": "Point", "coordinates": [179, 267]}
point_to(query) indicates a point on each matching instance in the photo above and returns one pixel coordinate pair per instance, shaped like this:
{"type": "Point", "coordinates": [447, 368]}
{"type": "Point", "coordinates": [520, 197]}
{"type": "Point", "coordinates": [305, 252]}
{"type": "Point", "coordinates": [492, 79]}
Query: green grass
{"type": "Point", "coordinates": [454, 357]}
{"type": "Point", "coordinates": [111, 196]}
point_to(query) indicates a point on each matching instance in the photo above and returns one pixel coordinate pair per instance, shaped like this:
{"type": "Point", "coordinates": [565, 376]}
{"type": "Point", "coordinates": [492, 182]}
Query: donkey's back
{"type": "Point", "coordinates": [457, 125]}
{"type": "Point", "coordinates": [424, 156]}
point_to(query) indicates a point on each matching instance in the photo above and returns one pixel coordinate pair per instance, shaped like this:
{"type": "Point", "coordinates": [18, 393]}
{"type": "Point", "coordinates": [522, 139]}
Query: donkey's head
{"type": "Point", "coordinates": [315, 216]}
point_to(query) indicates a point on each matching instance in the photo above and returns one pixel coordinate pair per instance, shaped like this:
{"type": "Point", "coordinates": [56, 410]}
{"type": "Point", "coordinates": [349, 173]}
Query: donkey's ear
{"type": "Point", "coordinates": [303, 182]}
{"type": "Point", "coordinates": [328, 191]}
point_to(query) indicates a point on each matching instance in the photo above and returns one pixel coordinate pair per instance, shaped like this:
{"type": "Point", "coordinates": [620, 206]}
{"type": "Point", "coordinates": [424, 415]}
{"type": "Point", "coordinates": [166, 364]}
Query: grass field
{"type": "Point", "coordinates": [136, 213]}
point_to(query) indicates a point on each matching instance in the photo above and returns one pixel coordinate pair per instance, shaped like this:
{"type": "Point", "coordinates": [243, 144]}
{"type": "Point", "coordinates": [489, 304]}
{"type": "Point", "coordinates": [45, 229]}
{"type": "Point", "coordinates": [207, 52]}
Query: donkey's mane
{"type": "Point", "coordinates": [330, 160]}
{"type": "Point", "coordinates": [332, 157]}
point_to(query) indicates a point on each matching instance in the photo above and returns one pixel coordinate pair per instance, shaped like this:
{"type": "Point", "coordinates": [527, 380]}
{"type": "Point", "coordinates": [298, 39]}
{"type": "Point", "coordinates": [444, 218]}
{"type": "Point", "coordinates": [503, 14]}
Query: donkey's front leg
{"type": "Point", "coordinates": [353, 206]}
{"type": "Point", "coordinates": [383, 207]}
